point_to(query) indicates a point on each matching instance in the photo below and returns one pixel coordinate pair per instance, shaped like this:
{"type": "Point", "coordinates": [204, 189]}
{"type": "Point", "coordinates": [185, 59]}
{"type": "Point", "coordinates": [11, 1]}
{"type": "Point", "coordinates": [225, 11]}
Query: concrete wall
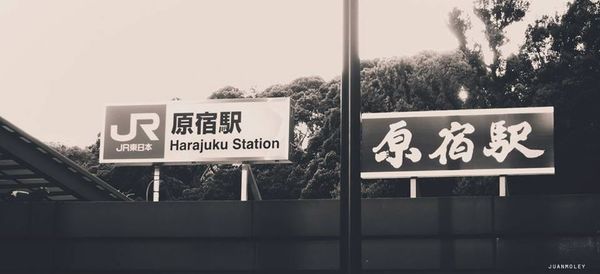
{"type": "Point", "coordinates": [424, 235]}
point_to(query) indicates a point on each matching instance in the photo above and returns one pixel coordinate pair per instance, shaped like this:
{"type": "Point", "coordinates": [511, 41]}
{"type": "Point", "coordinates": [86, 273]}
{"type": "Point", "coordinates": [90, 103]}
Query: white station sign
{"type": "Point", "coordinates": [216, 131]}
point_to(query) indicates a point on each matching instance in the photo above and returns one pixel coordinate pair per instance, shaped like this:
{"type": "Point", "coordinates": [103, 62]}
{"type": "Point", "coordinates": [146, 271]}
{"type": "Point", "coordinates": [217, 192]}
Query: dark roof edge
{"type": "Point", "coordinates": [66, 160]}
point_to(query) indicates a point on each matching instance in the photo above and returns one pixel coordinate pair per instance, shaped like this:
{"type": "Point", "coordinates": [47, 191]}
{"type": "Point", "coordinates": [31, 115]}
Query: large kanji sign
{"type": "Point", "coordinates": [216, 131]}
{"type": "Point", "coordinates": [478, 142]}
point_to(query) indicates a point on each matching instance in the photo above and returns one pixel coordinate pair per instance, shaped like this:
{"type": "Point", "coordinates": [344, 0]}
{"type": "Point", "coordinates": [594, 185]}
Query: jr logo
{"type": "Point", "coordinates": [150, 123]}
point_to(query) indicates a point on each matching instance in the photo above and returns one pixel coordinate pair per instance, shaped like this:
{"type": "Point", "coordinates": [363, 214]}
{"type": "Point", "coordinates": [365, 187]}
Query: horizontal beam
{"type": "Point", "coordinates": [9, 165]}
{"type": "Point", "coordinates": [17, 186]}
{"type": "Point", "coordinates": [59, 193]}
{"type": "Point", "coordinates": [20, 177]}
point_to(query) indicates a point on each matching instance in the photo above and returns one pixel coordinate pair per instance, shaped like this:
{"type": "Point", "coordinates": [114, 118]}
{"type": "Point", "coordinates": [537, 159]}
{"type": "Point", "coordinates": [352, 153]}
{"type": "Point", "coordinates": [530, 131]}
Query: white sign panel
{"type": "Point", "coordinates": [216, 131]}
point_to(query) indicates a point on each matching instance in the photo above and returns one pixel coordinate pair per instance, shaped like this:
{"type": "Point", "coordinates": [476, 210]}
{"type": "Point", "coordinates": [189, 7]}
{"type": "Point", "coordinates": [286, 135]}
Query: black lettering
{"type": "Point", "coordinates": [182, 123]}
{"type": "Point", "coordinates": [174, 145]}
{"type": "Point", "coordinates": [236, 143]}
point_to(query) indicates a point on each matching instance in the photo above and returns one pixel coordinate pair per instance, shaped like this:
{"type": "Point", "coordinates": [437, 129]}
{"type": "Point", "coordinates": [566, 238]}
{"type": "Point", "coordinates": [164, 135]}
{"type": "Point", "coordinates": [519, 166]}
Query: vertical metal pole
{"type": "Point", "coordinates": [414, 188]}
{"type": "Point", "coordinates": [502, 186]}
{"type": "Point", "coordinates": [344, 185]}
{"type": "Point", "coordinates": [156, 184]}
{"type": "Point", "coordinates": [350, 183]}
{"type": "Point", "coordinates": [244, 190]}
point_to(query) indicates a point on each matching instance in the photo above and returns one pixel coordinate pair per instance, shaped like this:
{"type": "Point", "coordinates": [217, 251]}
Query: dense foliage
{"type": "Point", "coordinates": [558, 65]}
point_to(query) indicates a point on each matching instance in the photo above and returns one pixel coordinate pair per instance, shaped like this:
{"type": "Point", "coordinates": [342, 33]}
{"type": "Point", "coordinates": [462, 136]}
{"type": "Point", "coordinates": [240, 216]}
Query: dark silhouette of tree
{"type": "Point", "coordinates": [224, 184]}
{"type": "Point", "coordinates": [227, 92]}
{"type": "Point", "coordinates": [458, 25]}
{"type": "Point", "coordinates": [496, 15]}
{"type": "Point", "coordinates": [559, 65]}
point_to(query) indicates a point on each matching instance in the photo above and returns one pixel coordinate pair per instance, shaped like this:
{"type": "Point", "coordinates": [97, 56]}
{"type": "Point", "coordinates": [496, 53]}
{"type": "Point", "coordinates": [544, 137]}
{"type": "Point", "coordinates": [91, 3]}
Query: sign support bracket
{"type": "Point", "coordinates": [244, 185]}
{"type": "Point", "coordinates": [248, 182]}
{"type": "Point", "coordinates": [156, 183]}
{"type": "Point", "coordinates": [414, 188]}
{"type": "Point", "coordinates": [502, 186]}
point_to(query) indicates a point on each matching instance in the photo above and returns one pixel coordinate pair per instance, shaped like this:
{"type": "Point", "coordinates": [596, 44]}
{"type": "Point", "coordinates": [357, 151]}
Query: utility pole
{"type": "Point", "coordinates": [350, 188]}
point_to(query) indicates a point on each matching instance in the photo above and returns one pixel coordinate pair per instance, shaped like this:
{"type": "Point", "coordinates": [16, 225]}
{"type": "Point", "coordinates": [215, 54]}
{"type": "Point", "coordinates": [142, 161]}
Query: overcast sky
{"type": "Point", "coordinates": [61, 61]}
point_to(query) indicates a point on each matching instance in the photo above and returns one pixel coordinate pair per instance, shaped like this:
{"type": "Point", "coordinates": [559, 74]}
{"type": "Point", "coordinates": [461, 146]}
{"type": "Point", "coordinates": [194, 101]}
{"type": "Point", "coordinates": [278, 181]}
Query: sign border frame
{"type": "Point", "coordinates": [235, 160]}
{"type": "Point", "coordinates": [458, 172]}
{"type": "Point", "coordinates": [457, 112]}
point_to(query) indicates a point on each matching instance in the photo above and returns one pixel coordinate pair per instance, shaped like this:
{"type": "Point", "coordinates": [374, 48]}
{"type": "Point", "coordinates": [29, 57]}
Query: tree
{"type": "Point", "coordinates": [459, 25]}
{"type": "Point", "coordinates": [227, 92]}
{"type": "Point", "coordinates": [224, 184]}
{"type": "Point", "coordinates": [81, 156]}
{"type": "Point", "coordinates": [559, 66]}
{"type": "Point", "coordinates": [496, 15]}
{"type": "Point", "coordinates": [322, 159]}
